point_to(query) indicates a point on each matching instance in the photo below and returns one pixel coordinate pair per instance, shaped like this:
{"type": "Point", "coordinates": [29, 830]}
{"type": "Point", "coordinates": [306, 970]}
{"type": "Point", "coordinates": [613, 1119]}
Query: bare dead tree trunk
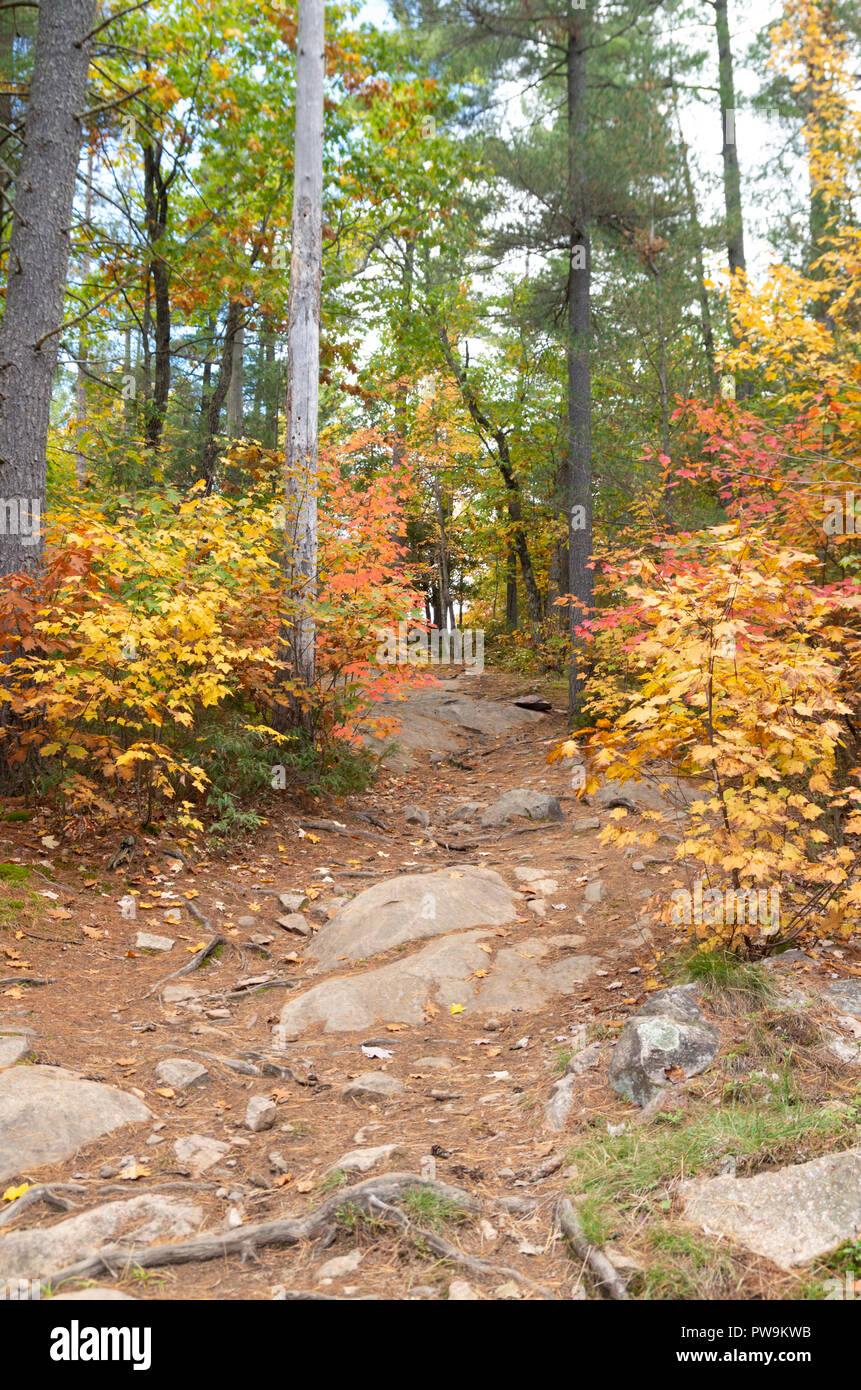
{"type": "Point", "coordinates": [303, 339]}
{"type": "Point", "coordinates": [156, 190]}
{"type": "Point", "coordinates": [38, 261]}
{"type": "Point", "coordinates": [237, 375]}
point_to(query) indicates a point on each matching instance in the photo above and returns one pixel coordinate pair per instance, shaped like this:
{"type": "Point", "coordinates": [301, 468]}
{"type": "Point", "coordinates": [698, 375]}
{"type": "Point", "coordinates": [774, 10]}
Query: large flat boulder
{"type": "Point", "coordinates": [413, 907]}
{"type": "Point", "coordinates": [791, 1215]}
{"type": "Point", "coordinates": [42, 1250]}
{"type": "Point", "coordinates": [521, 979]}
{"type": "Point", "coordinates": [522, 801]}
{"type": "Point", "coordinates": [395, 993]}
{"type": "Point", "coordinates": [47, 1114]}
{"type": "Point", "coordinates": [439, 719]}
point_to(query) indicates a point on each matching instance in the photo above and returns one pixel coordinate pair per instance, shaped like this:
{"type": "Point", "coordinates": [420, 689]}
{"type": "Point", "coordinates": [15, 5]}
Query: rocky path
{"type": "Point", "coordinates": [351, 1061]}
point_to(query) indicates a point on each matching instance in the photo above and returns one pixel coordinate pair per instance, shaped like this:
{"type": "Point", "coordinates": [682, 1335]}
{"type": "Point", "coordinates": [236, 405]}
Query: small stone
{"type": "Point", "coordinates": [585, 1060]}
{"type": "Point", "coordinates": [638, 866]}
{"type": "Point", "coordinates": [261, 939]}
{"type": "Point", "coordinates": [508, 1290]}
{"type": "Point", "coordinates": [377, 1084]}
{"type": "Point", "coordinates": [108, 1170]}
{"type": "Point", "coordinates": [260, 1113]}
{"type": "Point", "coordinates": [181, 1072]}
{"type": "Point", "coordinates": [362, 1160]}
{"type": "Point", "coordinates": [340, 1265]}
{"type": "Point", "coordinates": [433, 1064]}
{"type": "Point", "coordinates": [459, 1291]}
{"type": "Point", "coordinates": [278, 1163]}
{"type": "Point", "coordinates": [585, 825]}
{"type": "Point", "coordinates": [218, 1013]}
{"type": "Point", "coordinates": [446, 1095]}
{"type": "Point", "coordinates": [246, 922]}
{"type": "Point", "coordinates": [537, 906]}
{"type": "Point", "coordinates": [198, 1152]}
{"type": "Point", "coordinates": [594, 891]}
{"type": "Point", "coordinates": [148, 941]}
{"type": "Point", "coordinates": [293, 902]}
{"type": "Point", "coordinates": [319, 911]}
{"type": "Point", "coordinates": [295, 922]}
{"type": "Point", "coordinates": [492, 1025]}
{"type": "Point", "coordinates": [416, 815]}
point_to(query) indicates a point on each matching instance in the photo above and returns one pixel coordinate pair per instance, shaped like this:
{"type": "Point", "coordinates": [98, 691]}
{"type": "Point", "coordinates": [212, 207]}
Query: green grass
{"type": "Point", "coordinates": [428, 1208]}
{"type": "Point", "coordinates": [14, 873]}
{"type": "Point", "coordinates": [719, 971]}
{"type": "Point", "coordinates": [683, 1265]}
{"type": "Point", "coordinates": [638, 1168]}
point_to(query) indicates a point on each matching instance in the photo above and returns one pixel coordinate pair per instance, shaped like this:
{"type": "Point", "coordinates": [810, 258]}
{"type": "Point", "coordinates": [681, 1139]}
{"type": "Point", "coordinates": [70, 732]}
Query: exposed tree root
{"type": "Point", "coordinates": [446, 1251]}
{"type": "Point", "coordinates": [246, 1239]}
{"type": "Point", "coordinates": [606, 1273]}
{"type": "Point", "coordinates": [53, 1195]}
{"type": "Point", "coordinates": [195, 963]}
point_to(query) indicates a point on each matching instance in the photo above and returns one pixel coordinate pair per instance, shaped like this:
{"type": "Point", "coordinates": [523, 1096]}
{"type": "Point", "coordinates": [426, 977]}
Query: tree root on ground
{"type": "Point", "coordinates": [245, 1239]}
{"type": "Point", "coordinates": [605, 1272]}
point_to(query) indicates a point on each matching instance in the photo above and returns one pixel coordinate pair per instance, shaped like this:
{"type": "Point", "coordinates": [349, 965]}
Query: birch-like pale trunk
{"type": "Point", "coordinates": [303, 339]}
{"type": "Point", "coordinates": [38, 261]}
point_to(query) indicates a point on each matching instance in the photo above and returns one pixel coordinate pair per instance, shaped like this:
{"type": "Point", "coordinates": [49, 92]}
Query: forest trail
{"type": "Point", "coordinates": [440, 998]}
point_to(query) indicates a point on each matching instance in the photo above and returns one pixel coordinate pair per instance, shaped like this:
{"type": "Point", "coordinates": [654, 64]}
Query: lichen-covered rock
{"type": "Point", "coordinates": [670, 1031]}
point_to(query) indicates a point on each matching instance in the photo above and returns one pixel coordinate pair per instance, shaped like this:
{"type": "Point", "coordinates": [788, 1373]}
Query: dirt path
{"type": "Point", "coordinates": [469, 1041]}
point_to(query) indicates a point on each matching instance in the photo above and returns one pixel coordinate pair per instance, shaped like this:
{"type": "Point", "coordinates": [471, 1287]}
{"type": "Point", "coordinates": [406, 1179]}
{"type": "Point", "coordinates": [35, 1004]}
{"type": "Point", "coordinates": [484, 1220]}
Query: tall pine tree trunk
{"type": "Point", "coordinates": [38, 261]}
{"type": "Point", "coordinates": [303, 338]}
{"type": "Point", "coordinates": [579, 487]}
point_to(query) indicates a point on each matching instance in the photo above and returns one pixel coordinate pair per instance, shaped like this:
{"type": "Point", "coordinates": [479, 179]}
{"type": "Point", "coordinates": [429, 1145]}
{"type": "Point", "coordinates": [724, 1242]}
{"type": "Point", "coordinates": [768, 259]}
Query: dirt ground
{"type": "Point", "coordinates": [478, 1125]}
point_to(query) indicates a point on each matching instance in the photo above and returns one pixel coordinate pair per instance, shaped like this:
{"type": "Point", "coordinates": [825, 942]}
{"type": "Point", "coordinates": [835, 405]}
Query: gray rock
{"type": "Point", "coordinates": [791, 1215]}
{"type": "Point", "coordinates": [679, 1002]}
{"type": "Point", "coordinates": [362, 1160]}
{"type": "Point", "coordinates": [650, 1044]}
{"type": "Point", "coordinates": [584, 1060]}
{"type": "Point", "coordinates": [585, 825]}
{"type": "Point", "coordinates": [295, 922]}
{"type": "Point", "coordinates": [13, 1049]}
{"type": "Point", "coordinates": [395, 993]}
{"type": "Point", "coordinates": [148, 941]}
{"type": "Point", "coordinates": [413, 907]}
{"type": "Point", "coordinates": [467, 810]}
{"type": "Point", "coordinates": [377, 1084]}
{"type": "Point", "coordinates": [522, 801]}
{"type": "Point", "coordinates": [247, 922]}
{"type": "Point", "coordinates": [181, 994]}
{"type": "Point", "coordinates": [459, 1291]}
{"type": "Point", "coordinates": [42, 1250]}
{"type": "Point", "coordinates": [198, 1152]}
{"type": "Point", "coordinates": [341, 1265]}
{"type": "Point", "coordinates": [594, 892]}
{"type": "Point", "coordinates": [437, 721]}
{"type": "Point", "coordinates": [416, 815]}
{"type": "Point", "coordinates": [293, 902]}
{"type": "Point", "coordinates": [260, 1113]}
{"type": "Point", "coordinates": [48, 1113]}
{"type": "Point", "coordinates": [560, 1102]}
{"type": "Point", "coordinates": [519, 979]}
{"type": "Point", "coordinates": [845, 996]}
{"type": "Point", "coordinates": [432, 1064]}
{"type": "Point", "coordinates": [659, 794]}
{"type": "Point", "coordinates": [181, 1072]}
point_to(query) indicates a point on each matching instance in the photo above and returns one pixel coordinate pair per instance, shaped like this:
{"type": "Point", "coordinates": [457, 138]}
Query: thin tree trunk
{"type": "Point", "coordinates": [156, 189]}
{"type": "Point", "coordinates": [579, 369]}
{"type": "Point", "coordinates": [234, 394]}
{"type": "Point", "coordinates": [512, 487]}
{"type": "Point", "coordinates": [81, 383]}
{"type": "Point", "coordinates": [214, 400]}
{"type": "Point", "coordinates": [38, 261]}
{"type": "Point", "coordinates": [731, 172]}
{"type": "Point", "coordinates": [511, 615]}
{"type": "Point", "coordinates": [303, 339]}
